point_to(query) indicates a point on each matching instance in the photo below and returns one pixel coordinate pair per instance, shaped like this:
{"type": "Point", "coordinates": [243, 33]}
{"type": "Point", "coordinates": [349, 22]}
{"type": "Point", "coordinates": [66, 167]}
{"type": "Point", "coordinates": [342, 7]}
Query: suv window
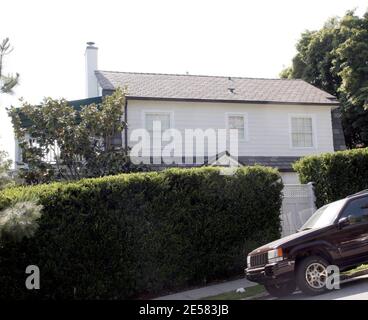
{"type": "Point", "coordinates": [357, 210]}
{"type": "Point", "coordinates": [324, 216]}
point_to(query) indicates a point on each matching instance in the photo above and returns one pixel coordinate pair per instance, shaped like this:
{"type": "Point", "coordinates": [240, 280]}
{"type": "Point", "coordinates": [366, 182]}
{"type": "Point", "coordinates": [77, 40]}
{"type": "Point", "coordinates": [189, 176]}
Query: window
{"type": "Point", "coordinates": [156, 122]}
{"type": "Point", "coordinates": [238, 122]}
{"type": "Point", "coordinates": [357, 210]}
{"type": "Point", "coordinates": [301, 132]}
{"type": "Point", "coordinates": [49, 157]}
{"type": "Point", "coordinates": [160, 117]}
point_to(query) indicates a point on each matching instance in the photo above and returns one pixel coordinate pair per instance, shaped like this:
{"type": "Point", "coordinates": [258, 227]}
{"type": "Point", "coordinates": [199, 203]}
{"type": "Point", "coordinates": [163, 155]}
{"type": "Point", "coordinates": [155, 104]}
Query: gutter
{"type": "Point", "coordinates": [329, 104]}
{"type": "Point", "coordinates": [126, 123]}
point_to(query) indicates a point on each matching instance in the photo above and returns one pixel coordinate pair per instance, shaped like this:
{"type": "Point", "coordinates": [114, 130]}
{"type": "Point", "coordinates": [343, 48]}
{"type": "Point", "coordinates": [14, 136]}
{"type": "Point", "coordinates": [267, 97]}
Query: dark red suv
{"type": "Point", "coordinates": [336, 234]}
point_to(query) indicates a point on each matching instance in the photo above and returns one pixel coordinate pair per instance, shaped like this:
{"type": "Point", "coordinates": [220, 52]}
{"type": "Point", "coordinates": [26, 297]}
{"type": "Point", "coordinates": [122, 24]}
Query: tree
{"type": "Point", "coordinates": [78, 143]}
{"type": "Point", "coordinates": [8, 82]}
{"type": "Point", "coordinates": [5, 165]}
{"type": "Point", "coordinates": [335, 59]}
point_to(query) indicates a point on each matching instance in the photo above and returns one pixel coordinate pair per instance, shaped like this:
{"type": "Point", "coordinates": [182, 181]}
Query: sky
{"type": "Point", "coordinates": [209, 37]}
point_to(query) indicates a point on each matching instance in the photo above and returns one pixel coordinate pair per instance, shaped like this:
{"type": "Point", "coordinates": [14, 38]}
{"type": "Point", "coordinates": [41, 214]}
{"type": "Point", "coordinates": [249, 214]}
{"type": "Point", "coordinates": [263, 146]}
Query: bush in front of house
{"type": "Point", "coordinates": [134, 234]}
{"type": "Point", "coordinates": [336, 175]}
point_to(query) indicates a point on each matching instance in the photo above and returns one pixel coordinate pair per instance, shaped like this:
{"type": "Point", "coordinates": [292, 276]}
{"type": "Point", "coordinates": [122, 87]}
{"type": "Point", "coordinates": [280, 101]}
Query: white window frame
{"type": "Point", "coordinates": [165, 112]}
{"type": "Point", "coordinates": [155, 111]}
{"type": "Point", "coordinates": [314, 129]}
{"type": "Point", "coordinates": [246, 119]}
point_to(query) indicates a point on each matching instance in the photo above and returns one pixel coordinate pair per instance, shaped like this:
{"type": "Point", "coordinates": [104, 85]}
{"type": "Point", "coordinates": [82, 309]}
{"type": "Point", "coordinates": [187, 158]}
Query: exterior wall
{"type": "Point", "coordinates": [268, 125]}
{"type": "Point", "coordinates": [290, 177]}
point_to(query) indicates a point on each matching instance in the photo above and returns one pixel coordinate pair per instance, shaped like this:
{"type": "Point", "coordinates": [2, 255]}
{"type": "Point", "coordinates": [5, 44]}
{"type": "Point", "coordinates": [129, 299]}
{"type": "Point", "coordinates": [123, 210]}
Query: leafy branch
{"type": "Point", "coordinates": [80, 143]}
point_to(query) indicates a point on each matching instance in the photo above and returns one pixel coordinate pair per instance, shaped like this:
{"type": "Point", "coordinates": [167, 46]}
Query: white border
{"type": "Point", "coordinates": [157, 111]}
{"type": "Point", "coordinates": [314, 130]}
{"type": "Point", "coordinates": [245, 117]}
{"type": "Point", "coordinates": [148, 111]}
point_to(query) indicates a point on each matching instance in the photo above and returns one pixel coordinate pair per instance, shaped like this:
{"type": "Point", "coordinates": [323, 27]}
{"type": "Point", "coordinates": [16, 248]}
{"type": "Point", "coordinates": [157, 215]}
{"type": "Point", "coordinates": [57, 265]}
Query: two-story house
{"type": "Point", "coordinates": [278, 121]}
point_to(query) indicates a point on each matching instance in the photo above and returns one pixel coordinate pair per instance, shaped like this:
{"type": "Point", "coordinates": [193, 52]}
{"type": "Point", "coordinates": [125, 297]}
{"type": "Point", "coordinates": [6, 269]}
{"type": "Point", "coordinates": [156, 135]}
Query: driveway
{"type": "Point", "coordinates": [354, 289]}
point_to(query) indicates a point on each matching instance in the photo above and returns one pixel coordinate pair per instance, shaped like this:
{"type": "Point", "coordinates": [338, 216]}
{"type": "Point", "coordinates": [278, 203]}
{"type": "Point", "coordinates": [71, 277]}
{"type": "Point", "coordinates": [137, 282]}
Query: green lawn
{"type": "Point", "coordinates": [232, 295]}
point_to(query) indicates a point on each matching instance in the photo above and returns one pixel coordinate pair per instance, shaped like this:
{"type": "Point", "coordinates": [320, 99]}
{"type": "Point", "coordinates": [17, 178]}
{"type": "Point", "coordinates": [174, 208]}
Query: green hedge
{"type": "Point", "coordinates": [134, 234]}
{"type": "Point", "coordinates": [336, 175]}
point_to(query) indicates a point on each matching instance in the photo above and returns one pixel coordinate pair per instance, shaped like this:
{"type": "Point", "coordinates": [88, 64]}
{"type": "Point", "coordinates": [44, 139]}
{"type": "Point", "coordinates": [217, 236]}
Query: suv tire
{"type": "Point", "coordinates": [311, 275]}
{"type": "Point", "coordinates": [280, 290]}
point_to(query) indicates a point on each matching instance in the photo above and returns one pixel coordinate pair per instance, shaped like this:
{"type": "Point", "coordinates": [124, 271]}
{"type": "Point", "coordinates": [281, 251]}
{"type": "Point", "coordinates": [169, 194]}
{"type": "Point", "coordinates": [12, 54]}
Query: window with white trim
{"type": "Point", "coordinates": [156, 123]}
{"type": "Point", "coordinates": [301, 132]}
{"type": "Point", "coordinates": [238, 122]}
{"type": "Point", "coordinates": [162, 118]}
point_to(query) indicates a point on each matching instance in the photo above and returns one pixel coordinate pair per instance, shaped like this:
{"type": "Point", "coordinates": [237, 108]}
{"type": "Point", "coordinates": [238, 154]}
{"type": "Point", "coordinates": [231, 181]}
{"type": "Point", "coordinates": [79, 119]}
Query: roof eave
{"type": "Point", "coordinates": [329, 104]}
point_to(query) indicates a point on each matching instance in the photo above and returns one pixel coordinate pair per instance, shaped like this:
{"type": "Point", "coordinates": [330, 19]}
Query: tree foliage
{"type": "Point", "coordinates": [68, 144]}
{"type": "Point", "coordinates": [5, 165]}
{"type": "Point", "coordinates": [7, 82]}
{"type": "Point", "coordinates": [335, 59]}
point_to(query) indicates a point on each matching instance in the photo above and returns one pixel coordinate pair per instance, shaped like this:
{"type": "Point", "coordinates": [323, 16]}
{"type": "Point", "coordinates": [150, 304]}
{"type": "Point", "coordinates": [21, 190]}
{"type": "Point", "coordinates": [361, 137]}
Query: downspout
{"type": "Point", "coordinates": [126, 124]}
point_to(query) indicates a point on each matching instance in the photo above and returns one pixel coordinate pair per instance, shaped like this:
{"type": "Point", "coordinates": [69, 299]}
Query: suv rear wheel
{"type": "Point", "coordinates": [281, 290]}
{"type": "Point", "coordinates": [311, 275]}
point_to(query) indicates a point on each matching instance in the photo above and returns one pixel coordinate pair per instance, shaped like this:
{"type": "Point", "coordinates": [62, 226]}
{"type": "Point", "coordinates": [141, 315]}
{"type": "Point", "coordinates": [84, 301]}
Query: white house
{"type": "Point", "coordinates": [278, 121]}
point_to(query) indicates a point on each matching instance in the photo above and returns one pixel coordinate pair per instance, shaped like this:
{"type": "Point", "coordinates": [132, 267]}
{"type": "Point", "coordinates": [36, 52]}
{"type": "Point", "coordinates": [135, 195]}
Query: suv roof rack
{"type": "Point", "coordinates": [358, 193]}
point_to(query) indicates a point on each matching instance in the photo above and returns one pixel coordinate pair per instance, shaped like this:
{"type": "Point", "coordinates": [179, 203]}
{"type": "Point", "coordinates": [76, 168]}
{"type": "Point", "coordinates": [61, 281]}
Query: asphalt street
{"type": "Point", "coordinates": [355, 289]}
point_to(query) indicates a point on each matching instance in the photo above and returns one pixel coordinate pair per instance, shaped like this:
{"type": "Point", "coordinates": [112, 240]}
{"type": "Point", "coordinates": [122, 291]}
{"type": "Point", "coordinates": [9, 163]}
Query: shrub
{"type": "Point", "coordinates": [5, 165]}
{"type": "Point", "coordinates": [19, 221]}
{"type": "Point", "coordinates": [336, 175]}
{"type": "Point", "coordinates": [132, 234]}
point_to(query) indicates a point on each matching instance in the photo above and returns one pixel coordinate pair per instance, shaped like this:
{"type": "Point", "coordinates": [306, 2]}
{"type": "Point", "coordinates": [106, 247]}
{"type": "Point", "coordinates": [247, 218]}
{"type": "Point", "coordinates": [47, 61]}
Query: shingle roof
{"type": "Point", "coordinates": [195, 87]}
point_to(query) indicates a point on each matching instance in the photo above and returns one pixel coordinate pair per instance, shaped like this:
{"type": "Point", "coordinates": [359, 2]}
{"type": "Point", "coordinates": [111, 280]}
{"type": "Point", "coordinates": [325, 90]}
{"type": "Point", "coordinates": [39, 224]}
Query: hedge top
{"type": "Point", "coordinates": [14, 194]}
{"type": "Point", "coordinates": [335, 175]}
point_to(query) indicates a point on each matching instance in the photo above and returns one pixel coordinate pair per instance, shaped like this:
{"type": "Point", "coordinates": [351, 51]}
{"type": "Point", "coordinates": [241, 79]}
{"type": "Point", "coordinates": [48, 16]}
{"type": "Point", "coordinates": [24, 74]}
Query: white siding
{"type": "Point", "coordinates": [268, 125]}
{"type": "Point", "coordinates": [289, 177]}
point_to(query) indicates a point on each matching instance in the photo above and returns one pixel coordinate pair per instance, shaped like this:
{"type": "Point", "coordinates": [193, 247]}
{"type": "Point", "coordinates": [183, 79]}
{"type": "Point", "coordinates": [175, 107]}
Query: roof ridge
{"type": "Point", "coordinates": [196, 75]}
